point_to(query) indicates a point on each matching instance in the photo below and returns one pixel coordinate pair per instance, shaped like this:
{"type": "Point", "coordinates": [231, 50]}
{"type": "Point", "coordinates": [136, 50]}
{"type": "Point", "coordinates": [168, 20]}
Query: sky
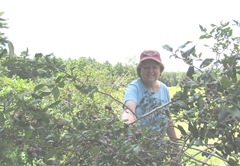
{"type": "Point", "coordinates": [111, 30]}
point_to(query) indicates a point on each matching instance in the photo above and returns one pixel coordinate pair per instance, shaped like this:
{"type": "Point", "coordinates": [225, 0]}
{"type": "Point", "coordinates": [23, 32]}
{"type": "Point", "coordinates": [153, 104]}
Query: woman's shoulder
{"type": "Point", "coordinates": [135, 82]}
{"type": "Point", "coordinates": [163, 86]}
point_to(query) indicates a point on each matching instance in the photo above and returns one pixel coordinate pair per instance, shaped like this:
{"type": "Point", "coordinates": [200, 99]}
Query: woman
{"type": "Point", "coordinates": [146, 93]}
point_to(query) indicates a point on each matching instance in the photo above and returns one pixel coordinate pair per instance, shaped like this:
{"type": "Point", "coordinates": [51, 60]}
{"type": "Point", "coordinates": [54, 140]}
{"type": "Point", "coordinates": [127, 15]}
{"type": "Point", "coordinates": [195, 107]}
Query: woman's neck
{"type": "Point", "coordinates": [153, 86]}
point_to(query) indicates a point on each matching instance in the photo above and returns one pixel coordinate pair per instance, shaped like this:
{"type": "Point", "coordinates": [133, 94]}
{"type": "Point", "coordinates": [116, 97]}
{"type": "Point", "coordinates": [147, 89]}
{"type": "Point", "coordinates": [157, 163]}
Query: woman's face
{"type": "Point", "coordinates": [150, 71]}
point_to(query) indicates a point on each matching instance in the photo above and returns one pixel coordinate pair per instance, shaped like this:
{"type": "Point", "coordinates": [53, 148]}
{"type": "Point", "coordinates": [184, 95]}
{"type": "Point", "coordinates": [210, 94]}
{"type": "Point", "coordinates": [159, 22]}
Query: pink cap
{"type": "Point", "coordinates": [150, 54]}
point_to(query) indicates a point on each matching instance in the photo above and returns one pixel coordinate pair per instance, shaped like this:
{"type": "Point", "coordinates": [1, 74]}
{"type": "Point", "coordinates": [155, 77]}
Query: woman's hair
{"type": "Point", "coordinates": [139, 66]}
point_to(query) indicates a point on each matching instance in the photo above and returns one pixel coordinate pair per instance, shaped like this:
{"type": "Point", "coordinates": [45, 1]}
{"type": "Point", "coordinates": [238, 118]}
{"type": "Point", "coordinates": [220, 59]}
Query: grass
{"type": "Point", "coordinates": [173, 90]}
{"type": "Point", "coordinates": [213, 161]}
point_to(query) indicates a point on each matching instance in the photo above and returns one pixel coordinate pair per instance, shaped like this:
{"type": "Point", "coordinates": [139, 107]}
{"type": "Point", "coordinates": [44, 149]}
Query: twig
{"type": "Point", "coordinates": [75, 79]}
{"type": "Point", "coordinates": [117, 101]}
{"type": "Point", "coordinates": [210, 156]}
{"type": "Point", "coordinates": [208, 153]}
{"type": "Point", "coordinates": [192, 157]}
{"type": "Point", "coordinates": [154, 110]}
{"type": "Point", "coordinates": [140, 159]}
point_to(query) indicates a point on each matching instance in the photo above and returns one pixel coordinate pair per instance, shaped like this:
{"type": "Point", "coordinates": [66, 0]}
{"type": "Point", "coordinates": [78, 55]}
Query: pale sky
{"type": "Point", "coordinates": [112, 30]}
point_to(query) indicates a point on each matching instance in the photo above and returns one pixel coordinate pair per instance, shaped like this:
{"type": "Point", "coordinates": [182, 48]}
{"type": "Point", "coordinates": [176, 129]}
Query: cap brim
{"type": "Point", "coordinates": [152, 58]}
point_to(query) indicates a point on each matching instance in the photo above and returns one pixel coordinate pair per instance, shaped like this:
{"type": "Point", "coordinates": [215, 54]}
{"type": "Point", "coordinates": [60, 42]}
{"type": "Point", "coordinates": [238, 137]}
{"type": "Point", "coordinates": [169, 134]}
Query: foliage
{"type": "Point", "coordinates": [172, 78]}
{"type": "Point", "coordinates": [70, 119]}
{"type": "Point", "coordinates": [209, 100]}
{"type": "Point", "coordinates": [5, 45]}
{"type": "Point", "coordinates": [27, 68]}
{"type": "Point", "coordinates": [3, 39]}
{"type": "Point", "coordinates": [55, 112]}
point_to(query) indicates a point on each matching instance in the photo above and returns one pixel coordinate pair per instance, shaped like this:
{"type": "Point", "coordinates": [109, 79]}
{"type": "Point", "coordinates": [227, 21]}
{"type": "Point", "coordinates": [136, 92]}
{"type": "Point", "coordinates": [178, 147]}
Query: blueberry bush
{"type": "Point", "coordinates": [209, 100]}
{"type": "Point", "coordinates": [66, 112]}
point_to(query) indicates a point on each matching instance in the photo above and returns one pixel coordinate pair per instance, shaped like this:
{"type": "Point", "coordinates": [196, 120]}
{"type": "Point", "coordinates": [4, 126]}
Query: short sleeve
{"type": "Point", "coordinates": [131, 93]}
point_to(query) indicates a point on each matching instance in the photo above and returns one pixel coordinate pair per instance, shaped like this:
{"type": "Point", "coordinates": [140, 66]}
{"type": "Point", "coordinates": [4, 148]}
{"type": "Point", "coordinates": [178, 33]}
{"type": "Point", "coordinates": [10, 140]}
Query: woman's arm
{"type": "Point", "coordinates": [171, 131]}
{"type": "Point", "coordinates": [172, 135]}
{"type": "Point", "coordinates": [127, 114]}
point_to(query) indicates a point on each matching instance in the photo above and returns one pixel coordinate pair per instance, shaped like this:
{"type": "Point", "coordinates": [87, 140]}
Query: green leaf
{"type": "Point", "coordinates": [38, 55]}
{"type": "Point", "coordinates": [4, 51]}
{"type": "Point", "coordinates": [2, 119]}
{"type": "Point", "coordinates": [222, 113]}
{"type": "Point", "coordinates": [75, 122]}
{"type": "Point", "coordinates": [200, 103]}
{"type": "Point", "coordinates": [52, 162]}
{"type": "Point", "coordinates": [201, 27]}
{"type": "Point", "coordinates": [183, 132]}
{"type": "Point", "coordinates": [232, 162]}
{"type": "Point", "coordinates": [78, 87]}
{"type": "Point", "coordinates": [49, 137]}
{"type": "Point", "coordinates": [168, 48]}
{"type": "Point", "coordinates": [214, 76]}
{"type": "Point", "coordinates": [20, 96]}
{"type": "Point", "coordinates": [225, 82]}
{"type": "Point", "coordinates": [190, 71]}
{"type": "Point", "coordinates": [230, 32]}
{"type": "Point", "coordinates": [212, 31]}
{"type": "Point", "coordinates": [53, 104]}
{"type": "Point", "coordinates": [182, 104]}
{"type": "Point", "coordinates": [237, 23]}
{"type": "Point", "coordinates": [188, 52]}
{"type": "Point", "coordinates": [235, 112]}
{"type": "Point", "coordinates": [206, 62]}
{"type": "Point", "coordinates": [11, 48]}
{"type": "Point", "coordinates": [45, 94]}
{"type": "Point", "coordinates": [230, 60]}
{"type": "Point", "coordinates": [211, 133]}
{"type": "Point", "coordinates": [55, 93]}
{"type": "Point", "coordinates": [184, 45]}
{"type": "Point", "coordinates": [189, 84]}
{"type": "Point", "coordinates": [226, 24]}
{"type": "Point", "coordinates": [28, 127]}
{"type": "Point", "coordinates": [61, 84]}
{"type": "Point", "coordinates": [38, 87]}
{"type": "Point", "coordinates": [28, 133]}
{"type": "Point", "coordinates": [58, 79]}
{"type": "Point", "coordinates": [36, 96]}
{"type": "Point", "coordinates": [205, 36]}
{"type": "Point", "coordinates": [137, 149]}
{"type": "Point", "coordinates": [193, 130]}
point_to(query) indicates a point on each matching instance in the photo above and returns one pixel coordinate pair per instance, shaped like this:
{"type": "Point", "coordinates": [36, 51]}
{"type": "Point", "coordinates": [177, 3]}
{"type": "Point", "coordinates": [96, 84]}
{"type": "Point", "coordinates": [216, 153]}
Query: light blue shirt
{"type": "Point", "coordinates": [146, 101]}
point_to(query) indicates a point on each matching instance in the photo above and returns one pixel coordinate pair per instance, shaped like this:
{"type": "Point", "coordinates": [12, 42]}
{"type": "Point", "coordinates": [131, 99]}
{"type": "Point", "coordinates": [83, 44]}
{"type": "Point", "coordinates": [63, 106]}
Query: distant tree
{"type": "Point", "coordinates": [3, 39]}
{"type": "Point", "coordinates": [6, 47]}
{"type": "Point", "coordinates": [172, 78]}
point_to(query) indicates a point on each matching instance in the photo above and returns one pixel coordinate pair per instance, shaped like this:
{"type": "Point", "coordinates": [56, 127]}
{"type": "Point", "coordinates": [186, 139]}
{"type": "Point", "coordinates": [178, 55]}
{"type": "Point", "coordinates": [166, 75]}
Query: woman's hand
{"type": "Point", "coordinates": [128, 112]}
{"type": "Point", "coordinates": [127, 116]}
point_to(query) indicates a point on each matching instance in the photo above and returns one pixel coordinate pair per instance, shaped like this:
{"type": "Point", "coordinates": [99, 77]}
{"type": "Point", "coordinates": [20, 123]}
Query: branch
{"type": "Point", "coordinates": [192, 157]}
{"type": "Point", "coordinates": [117, 101]}
{"type": "Point", "coordinates": [154, 110]}
{"type": "Point", "coordinates": [210, 156]}
{"type": "Point", "coordinates": [209, 153]}
{"type": "Point", "coordinates": [140, 159]}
